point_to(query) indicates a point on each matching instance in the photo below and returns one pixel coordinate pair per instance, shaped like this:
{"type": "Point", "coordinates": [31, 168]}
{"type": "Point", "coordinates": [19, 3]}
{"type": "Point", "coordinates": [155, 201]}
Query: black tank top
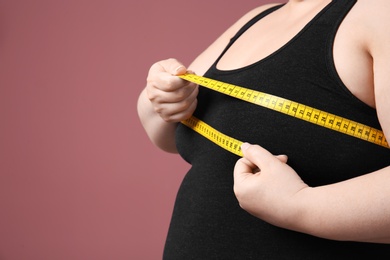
{"type": "Point", "coordinates": [207, 222]}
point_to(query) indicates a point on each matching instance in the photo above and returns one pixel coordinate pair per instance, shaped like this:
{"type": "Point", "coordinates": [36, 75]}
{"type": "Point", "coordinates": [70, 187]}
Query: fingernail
{"type": "Point", "coordinates": [179, 68]}
{"type": "Point", "coordinates": [245, 146]}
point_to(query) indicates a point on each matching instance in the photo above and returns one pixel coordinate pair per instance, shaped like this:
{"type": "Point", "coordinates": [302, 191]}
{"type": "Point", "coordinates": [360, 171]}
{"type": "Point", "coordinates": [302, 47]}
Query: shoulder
{"type": "Point", "coordinates": [370, 5]}
{"type": "Point", "coordinates": [374, 16]}
{"type": "Point", "coordinates": [369, 20]}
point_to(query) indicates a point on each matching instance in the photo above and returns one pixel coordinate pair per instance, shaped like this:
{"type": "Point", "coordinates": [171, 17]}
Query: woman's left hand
{"type": "Point", "coordinates": [267, 187]}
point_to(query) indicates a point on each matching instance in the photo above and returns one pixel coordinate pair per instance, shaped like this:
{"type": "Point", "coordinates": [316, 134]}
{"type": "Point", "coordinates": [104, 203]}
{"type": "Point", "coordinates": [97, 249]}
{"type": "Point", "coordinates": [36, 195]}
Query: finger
{"type": "Point", "coordinates": [185, 93]}
{"type": "Point", "coordinates": [174, 114]}
{"type": "Point", "coordinates": [168, 83]}
{"type": "Point", "coordinates": [163, 74]}
{"type": "Point", "coordinates": [243, 169]}
{"type": "Point", "coordinates": [259, 156]}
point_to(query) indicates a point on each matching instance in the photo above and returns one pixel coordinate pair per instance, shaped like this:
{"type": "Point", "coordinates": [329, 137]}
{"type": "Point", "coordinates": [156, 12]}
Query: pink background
{"type": "Point", "coordinates": [78, 177]}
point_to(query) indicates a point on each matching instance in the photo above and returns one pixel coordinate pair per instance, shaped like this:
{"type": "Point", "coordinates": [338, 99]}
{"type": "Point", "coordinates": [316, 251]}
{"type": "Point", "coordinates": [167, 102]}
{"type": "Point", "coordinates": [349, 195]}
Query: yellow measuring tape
{"type": "Point", "coordinates": [282, 105]}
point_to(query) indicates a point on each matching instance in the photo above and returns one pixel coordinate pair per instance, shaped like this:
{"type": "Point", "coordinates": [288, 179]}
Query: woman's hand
{"type": "Point", "coordinates": [267, 187]}
{"type": "Point", "coordinates": [173, 98]}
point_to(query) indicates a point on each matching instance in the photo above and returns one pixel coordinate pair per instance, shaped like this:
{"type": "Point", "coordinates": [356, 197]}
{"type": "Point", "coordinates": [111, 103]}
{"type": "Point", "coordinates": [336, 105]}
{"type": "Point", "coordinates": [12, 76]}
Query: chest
{"type": "Point", "coordinates": [349, 53]}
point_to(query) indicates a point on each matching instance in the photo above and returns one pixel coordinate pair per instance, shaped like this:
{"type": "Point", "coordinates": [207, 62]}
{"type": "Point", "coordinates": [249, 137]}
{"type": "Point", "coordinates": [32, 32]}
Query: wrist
{"type": "Point", "coordinates": [301, 209]}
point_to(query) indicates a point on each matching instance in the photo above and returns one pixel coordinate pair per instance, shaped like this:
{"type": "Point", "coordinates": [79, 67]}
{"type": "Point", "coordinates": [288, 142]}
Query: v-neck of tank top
{"type": "Point", "coordinates": [273, 53]}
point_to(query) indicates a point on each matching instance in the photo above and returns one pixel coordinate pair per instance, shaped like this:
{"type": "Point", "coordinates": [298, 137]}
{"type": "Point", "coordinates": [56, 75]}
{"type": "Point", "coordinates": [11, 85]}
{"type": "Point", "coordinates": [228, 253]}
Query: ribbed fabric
{"type": "Point", "coordinates": [207, 222]}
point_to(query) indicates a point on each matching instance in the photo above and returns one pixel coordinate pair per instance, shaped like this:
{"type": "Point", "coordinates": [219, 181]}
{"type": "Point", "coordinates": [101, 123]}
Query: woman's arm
{"type": "Point", "coordinates": [359, 209]}
{"type": "Point", "coordinates": [354, 210]}
{"type": "Point", "coordinates": [167, 99]}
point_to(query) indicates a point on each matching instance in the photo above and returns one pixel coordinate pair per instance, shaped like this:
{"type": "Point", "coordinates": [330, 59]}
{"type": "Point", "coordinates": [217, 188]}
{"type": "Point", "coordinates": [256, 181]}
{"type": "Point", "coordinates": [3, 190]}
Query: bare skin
{"type": "Point", "coordinates": [357, 209]}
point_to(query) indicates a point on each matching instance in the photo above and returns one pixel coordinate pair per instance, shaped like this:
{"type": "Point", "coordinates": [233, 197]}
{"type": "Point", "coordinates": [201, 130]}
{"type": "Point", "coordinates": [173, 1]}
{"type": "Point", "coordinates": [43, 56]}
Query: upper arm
{"type": "Point", "coordinates": [380, 51]}
{"type": "Point", "coordinates": [203, 62]}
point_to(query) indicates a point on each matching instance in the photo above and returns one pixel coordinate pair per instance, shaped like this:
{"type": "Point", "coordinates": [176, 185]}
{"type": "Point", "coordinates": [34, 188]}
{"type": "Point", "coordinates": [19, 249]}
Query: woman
{"type": "Point", "coordinates": [303, 191]}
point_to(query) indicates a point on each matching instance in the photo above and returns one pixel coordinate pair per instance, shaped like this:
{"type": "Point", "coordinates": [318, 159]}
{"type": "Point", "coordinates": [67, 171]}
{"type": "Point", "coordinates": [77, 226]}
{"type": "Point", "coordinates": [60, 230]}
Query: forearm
{"type": "Point", "coordinates": [160, 132]}
{"type": "Point", "coordinates": [353, 210]}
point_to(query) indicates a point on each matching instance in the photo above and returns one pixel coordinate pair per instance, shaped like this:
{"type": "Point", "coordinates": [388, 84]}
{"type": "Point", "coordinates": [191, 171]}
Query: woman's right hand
{"type": "Point", "coordinates": [173, 98]}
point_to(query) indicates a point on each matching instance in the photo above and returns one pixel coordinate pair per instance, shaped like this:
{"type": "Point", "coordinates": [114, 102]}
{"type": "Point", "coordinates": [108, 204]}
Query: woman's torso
{"type": "Point", "coordinates": [207, 222]}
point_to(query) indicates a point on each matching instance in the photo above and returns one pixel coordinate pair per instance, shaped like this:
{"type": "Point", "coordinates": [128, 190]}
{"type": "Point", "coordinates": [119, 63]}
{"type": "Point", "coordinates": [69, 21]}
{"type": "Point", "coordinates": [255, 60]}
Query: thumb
{"type": "Point", "coordinates": [170, 66]}
{"type": "Point", "coordinates": [175, 67]}
{"type": "Point", "coordinates": [257, 154]}
{"type": "Point", "coordinates": [180, 70]}
{"type": "Point", "coordinates": [283, 158]}
{"type": "Point", "coordinates": [260, 156]}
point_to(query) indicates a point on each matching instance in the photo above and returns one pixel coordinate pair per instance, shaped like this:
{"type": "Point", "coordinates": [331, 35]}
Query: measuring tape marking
{"type": "Point", "coordinates": [226, 142]}
{"type": "Point", "coordinates": [290, 108]}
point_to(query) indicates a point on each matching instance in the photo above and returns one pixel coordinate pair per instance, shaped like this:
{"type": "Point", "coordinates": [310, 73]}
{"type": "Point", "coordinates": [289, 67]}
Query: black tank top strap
{"type": "Point", "coordinates": [255, 20]}
{"type": "Point", "coordinates": [247, 26]}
